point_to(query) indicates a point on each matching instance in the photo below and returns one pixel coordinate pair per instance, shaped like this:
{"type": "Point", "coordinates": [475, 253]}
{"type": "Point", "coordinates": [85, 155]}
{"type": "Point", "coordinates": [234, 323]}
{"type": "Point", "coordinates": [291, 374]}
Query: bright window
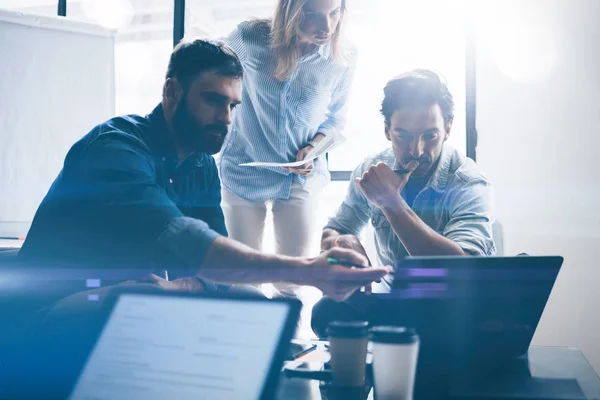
{"type": "Point", "coordinates": [393, 37]}
{"type": "Point", "coordinates": [143, 44]}
{"type": "Point", "coordinates": [204, 18]}
{"type": "Point", "coordinates": [39, 7]}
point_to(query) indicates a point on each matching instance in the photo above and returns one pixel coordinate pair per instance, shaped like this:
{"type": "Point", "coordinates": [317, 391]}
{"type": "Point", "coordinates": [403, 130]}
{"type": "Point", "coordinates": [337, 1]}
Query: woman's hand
{"type": "Point", "coordinates": [303, 169]}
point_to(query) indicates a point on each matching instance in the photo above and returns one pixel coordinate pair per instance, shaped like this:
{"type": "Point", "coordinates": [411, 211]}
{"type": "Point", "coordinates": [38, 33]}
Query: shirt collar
{"type": "Point", "coordinates": [439, 178]}
{"type": "Point", "coordinates": [159, 137]}
{"type": "Point", "coordinates": [325, 50]}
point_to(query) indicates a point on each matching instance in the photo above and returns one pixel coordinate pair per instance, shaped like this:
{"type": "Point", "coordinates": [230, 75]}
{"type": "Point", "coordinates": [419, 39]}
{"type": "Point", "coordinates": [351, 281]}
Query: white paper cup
{"type": "Point", "coordinates": [395, 352]}
{"type": "Point", "coordinates": [348, 349]}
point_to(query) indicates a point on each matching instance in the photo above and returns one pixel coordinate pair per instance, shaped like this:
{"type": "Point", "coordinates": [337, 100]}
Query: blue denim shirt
{"type": "Point", "coordinates": [456, 203]}
{"type": "Point", "coordinates": [122, 201]}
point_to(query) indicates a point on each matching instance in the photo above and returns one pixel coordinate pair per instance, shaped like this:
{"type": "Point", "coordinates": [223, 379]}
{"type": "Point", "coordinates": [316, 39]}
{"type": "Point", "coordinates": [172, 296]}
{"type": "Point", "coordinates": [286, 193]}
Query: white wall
{"type": "Point", "coordinates": [56, 82]}
{"type": "Point", "coordinates": [539, 142]}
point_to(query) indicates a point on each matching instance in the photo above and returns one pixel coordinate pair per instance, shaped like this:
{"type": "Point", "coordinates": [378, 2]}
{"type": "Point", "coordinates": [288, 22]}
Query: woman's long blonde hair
{"type": "Point", "coordinates": [285, 27]}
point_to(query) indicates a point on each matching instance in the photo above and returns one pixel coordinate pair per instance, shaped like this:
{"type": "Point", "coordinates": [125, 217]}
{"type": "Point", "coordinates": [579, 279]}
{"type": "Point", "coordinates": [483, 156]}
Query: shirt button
{"type": "Point", "coordinates": [170, 180]}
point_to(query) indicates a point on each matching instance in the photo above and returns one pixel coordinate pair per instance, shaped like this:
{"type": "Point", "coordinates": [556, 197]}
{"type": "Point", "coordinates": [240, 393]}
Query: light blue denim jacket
{"type": "Point", "coordinates": [456, 203]}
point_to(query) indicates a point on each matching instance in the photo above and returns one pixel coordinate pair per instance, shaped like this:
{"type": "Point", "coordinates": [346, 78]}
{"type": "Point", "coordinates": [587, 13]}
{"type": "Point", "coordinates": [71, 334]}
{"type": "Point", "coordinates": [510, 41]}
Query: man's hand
{"type": "Point", "coordinates": [339, 281]}
{"type": "Point", "coordinates": [182, 284]}
{"type": "Point", "coordinates": [334, 239]}
{"type": "Point", "coordinates": [382, 186]}
{"type": "Point", "coordinates": [303, 169]}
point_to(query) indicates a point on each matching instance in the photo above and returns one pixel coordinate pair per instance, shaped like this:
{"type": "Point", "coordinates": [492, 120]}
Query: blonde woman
{"type": "Point", "coordinates": [297, 75]}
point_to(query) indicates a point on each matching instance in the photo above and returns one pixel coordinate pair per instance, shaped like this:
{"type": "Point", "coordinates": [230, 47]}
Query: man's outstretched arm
{"type": "Point", "coordinates": [232, 262]}
{"type": "Point", "coordinates": [146, 210]}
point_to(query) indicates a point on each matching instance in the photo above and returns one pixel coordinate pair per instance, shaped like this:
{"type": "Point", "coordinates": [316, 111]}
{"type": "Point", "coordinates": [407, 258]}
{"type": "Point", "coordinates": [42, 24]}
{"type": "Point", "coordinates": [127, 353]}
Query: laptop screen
{"type": "Point", "coordinates": [158, 347]}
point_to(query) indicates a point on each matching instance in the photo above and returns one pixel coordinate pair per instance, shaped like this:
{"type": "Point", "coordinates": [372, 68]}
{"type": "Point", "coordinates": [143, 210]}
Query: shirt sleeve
{"type": "Point", "coordinates": [210, 211]}
{"type": "Point", "coordinates": [470, 224]}
{"type": "Point", "coordinates": [354, 212]}
{"type": "Point", "coordinates": [121, 181]}
{"type": "Point", "coordinates": [335, 119]}
{"type": "Point", "coordinates": [236, 41]}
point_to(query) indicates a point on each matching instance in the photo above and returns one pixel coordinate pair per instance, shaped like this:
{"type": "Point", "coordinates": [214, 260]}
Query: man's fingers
{"type": "Point", "coordinates": [347, 256]}
{"type": "Point", "coordinates": [368, 177]}
{"type": "Point", "coordinates": [342, 241]}
{"type": "Point", "coordinates": [411, 166]}
{"type": "Point", "coordinates": [370, 183]}
{"type": "Point", "coordinates": [359, 182]}
{"type": "Point", "coordinates": [362, 276]}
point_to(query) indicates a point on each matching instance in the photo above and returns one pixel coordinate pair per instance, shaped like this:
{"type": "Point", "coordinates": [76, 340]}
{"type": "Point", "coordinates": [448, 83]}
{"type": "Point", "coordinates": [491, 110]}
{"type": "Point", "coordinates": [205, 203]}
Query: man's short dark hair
{"type": "Point", "coordinates": [192, 57]}
{"type": "Point", "coordinates": [418, 88]}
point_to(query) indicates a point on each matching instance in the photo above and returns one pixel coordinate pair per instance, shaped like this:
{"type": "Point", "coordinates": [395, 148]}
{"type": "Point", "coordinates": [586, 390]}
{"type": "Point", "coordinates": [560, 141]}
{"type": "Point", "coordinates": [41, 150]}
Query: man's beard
{"type": "Point", "coordinates": [194, 136]}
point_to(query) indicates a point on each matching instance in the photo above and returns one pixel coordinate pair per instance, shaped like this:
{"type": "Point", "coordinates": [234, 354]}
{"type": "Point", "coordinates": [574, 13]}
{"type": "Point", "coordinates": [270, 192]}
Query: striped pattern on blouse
{"type": "Point", "coordinates": [277, 118]}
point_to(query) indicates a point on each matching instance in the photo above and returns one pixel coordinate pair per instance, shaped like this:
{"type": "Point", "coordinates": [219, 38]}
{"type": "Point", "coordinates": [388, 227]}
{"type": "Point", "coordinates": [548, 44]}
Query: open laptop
{"type": "Point", "coordinates": [167, 345]}
{"type": "Point", "coordinates": [472, 311]}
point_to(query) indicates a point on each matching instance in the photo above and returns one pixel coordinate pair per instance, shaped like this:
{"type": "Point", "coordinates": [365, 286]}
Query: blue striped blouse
{"type": "Point", "coordinates": [277, 118]}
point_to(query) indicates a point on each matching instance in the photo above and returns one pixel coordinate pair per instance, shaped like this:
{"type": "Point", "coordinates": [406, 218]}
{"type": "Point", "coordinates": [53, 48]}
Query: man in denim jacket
{"type": "Point", "coordinates": [422, 196]}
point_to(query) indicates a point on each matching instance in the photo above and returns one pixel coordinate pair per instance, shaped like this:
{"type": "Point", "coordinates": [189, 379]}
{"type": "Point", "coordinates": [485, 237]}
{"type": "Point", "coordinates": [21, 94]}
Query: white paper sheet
{"type": "Point", "coordinates": [324, 146]}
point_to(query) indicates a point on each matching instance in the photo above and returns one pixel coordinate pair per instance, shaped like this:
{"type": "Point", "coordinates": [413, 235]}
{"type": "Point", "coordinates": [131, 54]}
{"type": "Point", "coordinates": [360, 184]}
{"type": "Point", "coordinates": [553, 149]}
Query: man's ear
{"type": "Point", "coordinates": [448, 129]}
{"type": "Point", "coordinates": [172, 91]}
{"type": "Point", "coordinates": [387, 131]}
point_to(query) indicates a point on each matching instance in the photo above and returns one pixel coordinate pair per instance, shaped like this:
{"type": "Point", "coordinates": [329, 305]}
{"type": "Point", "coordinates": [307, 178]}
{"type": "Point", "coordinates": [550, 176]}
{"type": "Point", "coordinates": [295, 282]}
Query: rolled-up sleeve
{"type": "Point", "coordinates": [188, 239]}
{"type": "Point", "coordinates": [354, 212]}
{"type": "Point", "coordinates": [471, 218]}
{"type": "Point", "coordinates": [337, 110]}
{"type": "Point", "coordinates": [130, 204]}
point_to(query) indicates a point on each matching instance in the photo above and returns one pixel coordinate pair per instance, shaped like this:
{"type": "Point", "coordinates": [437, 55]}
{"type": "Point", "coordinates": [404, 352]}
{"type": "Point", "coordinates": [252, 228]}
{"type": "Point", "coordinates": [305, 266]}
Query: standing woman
{"type": "Point", "coordinates": [297, 74]}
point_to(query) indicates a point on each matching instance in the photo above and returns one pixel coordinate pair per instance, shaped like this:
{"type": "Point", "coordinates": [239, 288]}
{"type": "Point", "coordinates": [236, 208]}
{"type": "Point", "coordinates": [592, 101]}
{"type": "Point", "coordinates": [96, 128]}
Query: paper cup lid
{"type": "Point", "coordinates": [348, 329]}
{"type": "Point", "coordinates": [393, 335]}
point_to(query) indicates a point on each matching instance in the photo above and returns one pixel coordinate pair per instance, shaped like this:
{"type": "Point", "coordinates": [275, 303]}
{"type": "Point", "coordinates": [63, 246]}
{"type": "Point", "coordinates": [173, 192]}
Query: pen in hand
{"type": "Point", "coordinates": [333, 260]}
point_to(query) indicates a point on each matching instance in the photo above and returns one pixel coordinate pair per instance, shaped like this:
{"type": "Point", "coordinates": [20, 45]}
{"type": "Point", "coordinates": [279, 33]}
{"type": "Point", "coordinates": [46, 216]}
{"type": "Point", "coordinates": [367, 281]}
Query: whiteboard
{"type": "Point", "coordinates": [57, 82]}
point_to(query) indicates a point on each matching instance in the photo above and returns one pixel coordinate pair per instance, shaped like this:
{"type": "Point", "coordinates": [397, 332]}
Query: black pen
{"type": "Point", "coordinates": [304, 352]}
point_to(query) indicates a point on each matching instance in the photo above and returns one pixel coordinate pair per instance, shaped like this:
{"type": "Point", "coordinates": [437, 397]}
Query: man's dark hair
{"type": "Point", "coordinates": [418, 88]}
{"type": "Point", "coordinates": [190, 58]}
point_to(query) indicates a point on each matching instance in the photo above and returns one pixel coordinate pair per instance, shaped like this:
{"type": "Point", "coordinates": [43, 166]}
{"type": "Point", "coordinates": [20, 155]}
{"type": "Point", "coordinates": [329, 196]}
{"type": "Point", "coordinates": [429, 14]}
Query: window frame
{"type": "Point", "coordinates": [470, 77]}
